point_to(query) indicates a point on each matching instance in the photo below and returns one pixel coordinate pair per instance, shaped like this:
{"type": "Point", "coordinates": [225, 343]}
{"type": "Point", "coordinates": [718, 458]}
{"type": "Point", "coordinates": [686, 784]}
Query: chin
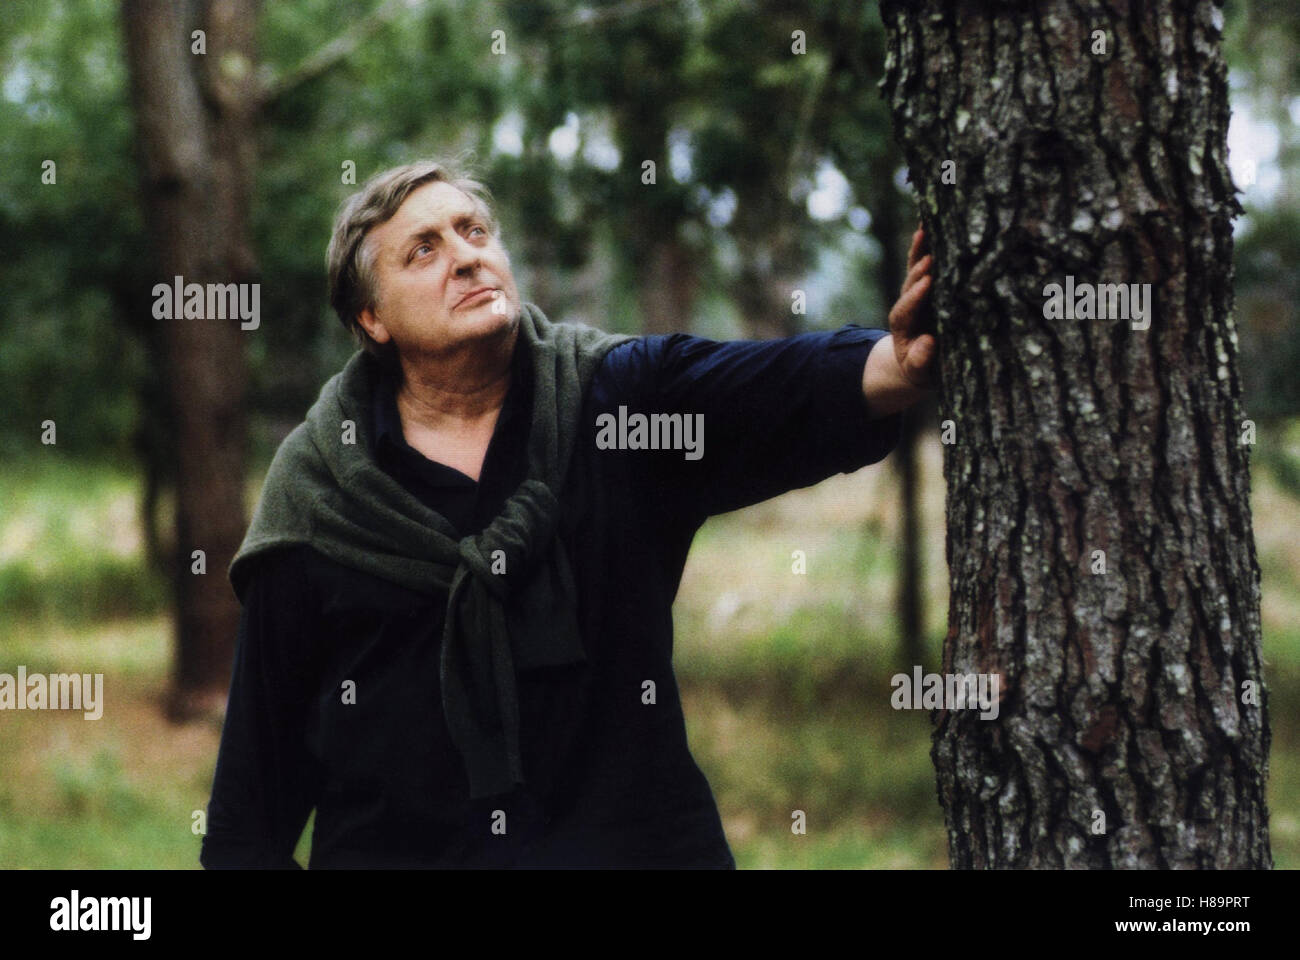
{"type": "Point", "coordinates": [512, 313]}
{"type": "Point", "coordinates": [482, 321]}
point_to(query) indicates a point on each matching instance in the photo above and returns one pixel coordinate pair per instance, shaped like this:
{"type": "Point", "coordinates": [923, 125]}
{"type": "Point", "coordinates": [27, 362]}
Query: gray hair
{"type": "Point", "coordinates": [351, 259]}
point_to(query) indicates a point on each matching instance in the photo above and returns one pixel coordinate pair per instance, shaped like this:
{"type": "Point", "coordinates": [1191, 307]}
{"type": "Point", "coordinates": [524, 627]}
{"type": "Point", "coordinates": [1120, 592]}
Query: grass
{"type": "Point", "coordinates": [115, 792]}
{"type": "Point", "coordinates": [71, 546]}
{"type": "Point", "coordinates": [784, 678]}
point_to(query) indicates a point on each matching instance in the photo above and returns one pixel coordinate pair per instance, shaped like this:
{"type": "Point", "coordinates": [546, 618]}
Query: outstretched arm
{"type": "Point", "coordinates": [902, 367]}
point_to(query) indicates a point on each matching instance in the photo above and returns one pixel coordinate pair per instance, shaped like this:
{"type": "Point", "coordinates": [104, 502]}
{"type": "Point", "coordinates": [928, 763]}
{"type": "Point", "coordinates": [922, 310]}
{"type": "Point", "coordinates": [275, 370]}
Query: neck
{"type": "Point", "coordinates": [459, 390]}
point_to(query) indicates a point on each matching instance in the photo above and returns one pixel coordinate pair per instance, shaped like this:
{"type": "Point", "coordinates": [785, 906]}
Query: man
{"type": "Point", "coordinates": [456, 640]}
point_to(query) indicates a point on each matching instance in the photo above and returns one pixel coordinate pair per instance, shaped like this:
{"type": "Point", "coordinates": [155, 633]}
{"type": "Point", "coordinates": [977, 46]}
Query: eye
{"type": "Point", "coordinates": [423, 246]}
{"type": "Point", "coordinates": [479, 228]}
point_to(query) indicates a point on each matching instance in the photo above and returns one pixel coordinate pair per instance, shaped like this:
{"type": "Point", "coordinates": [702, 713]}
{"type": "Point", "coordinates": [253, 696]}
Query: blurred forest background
{"type": "Point", "coordinates": [776, 172]}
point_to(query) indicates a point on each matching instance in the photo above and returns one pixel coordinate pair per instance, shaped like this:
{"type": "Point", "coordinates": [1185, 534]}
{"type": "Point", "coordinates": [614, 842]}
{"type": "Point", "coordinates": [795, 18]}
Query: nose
{"type": "Point", "coordinates": [466, 257]}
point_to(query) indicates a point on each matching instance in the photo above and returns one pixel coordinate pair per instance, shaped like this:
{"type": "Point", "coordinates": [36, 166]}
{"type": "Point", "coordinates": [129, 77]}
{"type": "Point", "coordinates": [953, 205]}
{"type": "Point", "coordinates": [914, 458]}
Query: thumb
{"type": "Point", "coordinates": [920, 358]}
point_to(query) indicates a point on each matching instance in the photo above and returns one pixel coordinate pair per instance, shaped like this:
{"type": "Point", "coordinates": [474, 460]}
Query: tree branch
{"type": "Point", "coordinates": [334, 52]}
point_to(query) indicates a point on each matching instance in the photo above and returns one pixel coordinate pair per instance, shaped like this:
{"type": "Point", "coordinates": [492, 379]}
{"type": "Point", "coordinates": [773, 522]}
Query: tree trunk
{"type": "Point", "coordinates": [1133, 727]}
{"type": "Point", "coordinates": [648, 230]}
{"type": "Point", "coordinates": [665, 279]}
{"type": "Point", "coordinates": [772, 261]}
{"type": "Point", "coordinates": [194, 115]}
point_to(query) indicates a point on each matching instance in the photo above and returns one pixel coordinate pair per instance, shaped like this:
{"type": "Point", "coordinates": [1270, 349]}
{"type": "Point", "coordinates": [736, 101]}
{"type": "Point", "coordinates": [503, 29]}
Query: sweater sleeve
{"type": "Point", "coordinates": [266, 778]}
{"type": "Point", "coordinates": [775, 415]}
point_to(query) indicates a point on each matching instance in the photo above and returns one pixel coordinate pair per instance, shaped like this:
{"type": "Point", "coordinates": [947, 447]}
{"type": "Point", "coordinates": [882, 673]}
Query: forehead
{"type": "Point", "coordinates": [429, 206]}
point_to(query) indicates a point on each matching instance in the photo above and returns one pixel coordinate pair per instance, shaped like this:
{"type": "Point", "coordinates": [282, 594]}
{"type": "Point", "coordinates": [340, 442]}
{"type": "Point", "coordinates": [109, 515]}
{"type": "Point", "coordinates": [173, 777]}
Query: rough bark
{"type": "Point", "coordinates": [194, 115]}
{"type": "Point", "coordinates": [1123, 690]}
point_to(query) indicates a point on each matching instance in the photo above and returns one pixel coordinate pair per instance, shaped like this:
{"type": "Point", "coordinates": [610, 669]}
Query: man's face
{"type": "Point", "coordinates": [441, 279]}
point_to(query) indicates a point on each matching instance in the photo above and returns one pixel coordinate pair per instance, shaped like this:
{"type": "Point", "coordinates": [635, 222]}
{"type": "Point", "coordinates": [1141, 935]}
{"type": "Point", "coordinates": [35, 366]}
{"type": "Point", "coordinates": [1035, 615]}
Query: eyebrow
{"type": "Point", "coordinates": [432, 234]}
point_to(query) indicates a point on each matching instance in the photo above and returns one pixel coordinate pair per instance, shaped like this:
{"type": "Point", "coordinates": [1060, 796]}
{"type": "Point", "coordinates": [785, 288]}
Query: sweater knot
{"type": "Point", "coordinates": [503, 556]}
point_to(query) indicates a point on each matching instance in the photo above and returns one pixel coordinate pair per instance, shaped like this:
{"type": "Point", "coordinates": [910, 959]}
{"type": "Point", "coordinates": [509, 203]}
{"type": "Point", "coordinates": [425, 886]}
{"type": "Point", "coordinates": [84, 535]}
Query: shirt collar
{"type": "Point", "coordinates": [387, 423]}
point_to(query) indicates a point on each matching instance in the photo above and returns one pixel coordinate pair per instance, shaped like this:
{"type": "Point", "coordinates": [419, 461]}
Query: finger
{"type": "Point", "coordinates": [919, 269]}
{"type": "Point", "coordinates": [922, 352]}
{"type": "Point", "coordinates": [904, 314]}
{"type": "Point", "coordinates": [925, 240]}
{"type": "Point", "coordinates": [925, 321]}
{"type": "Point", "coordinates": [914, 250]}
{"type": "Point", "coordinates": [921, 357]}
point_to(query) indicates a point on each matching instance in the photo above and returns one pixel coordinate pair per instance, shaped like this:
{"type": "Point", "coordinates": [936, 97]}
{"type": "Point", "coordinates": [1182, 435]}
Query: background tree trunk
{"type": "Point", "coordinates": [665, 283]}
{"type": "Point", "coordinates": [772, 262]}
{"type": "Point", "coordinates": [662, 266]}
{"type": "Point", "coordinates": [909, 601]}
{"type": "Point", "coordinates": [887, 227]}
{"type": "Point", "coordinates": [194, 118]}
{"type": "Point", "coordinates": [1123, 690]}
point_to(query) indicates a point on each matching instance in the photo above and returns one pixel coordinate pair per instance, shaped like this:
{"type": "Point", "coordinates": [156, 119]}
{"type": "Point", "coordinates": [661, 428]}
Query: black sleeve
{"type": "Point", "coordinates": [266, 779]}
{"type": "Point", "coordinates": [777, 414]}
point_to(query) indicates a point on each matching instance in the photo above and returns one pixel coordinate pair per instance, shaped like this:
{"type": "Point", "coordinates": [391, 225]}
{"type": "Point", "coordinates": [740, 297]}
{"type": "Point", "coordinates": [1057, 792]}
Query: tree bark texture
{"type": "Point", "coordinates": [194, 117]}
{"type": "Point", "coordinates": [1128, 735]}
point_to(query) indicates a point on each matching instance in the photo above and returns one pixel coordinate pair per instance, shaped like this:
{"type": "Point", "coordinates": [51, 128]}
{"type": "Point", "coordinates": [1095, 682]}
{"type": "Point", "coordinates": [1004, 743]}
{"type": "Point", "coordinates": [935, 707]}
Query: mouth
{"type": "Point", "coordinates": [475, 295]}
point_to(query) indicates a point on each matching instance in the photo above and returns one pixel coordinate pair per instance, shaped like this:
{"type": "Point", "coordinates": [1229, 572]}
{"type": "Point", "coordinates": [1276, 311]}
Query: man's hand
{"type": "Point", "coordinates": [911, 322]}
{"type": "Point", "coordinates": [903, 366]}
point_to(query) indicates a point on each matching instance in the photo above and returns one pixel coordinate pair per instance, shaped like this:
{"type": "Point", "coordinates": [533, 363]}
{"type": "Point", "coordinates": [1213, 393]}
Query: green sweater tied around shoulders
{"type": "Point", "coordinates": [333, 496]}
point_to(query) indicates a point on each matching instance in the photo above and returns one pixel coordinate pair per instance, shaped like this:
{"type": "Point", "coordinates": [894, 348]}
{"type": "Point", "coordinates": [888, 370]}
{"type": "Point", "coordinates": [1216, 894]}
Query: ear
{"type": "Point", "coordinates": [373, 326]}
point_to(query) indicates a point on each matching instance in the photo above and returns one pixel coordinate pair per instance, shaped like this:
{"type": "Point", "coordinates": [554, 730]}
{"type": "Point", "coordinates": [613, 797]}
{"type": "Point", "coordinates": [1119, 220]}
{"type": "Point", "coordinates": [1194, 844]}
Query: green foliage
{"type": "Point", "coordinates": [717, 81]}
{"type": "Point", "coordinates": [69, 250]}
{"type": "Point", "coordinates": [1268, 291]}
{"type": "Point", "coordinates": [82, 590]}
{"type": "Point", "coordinates": [1262, 45]}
